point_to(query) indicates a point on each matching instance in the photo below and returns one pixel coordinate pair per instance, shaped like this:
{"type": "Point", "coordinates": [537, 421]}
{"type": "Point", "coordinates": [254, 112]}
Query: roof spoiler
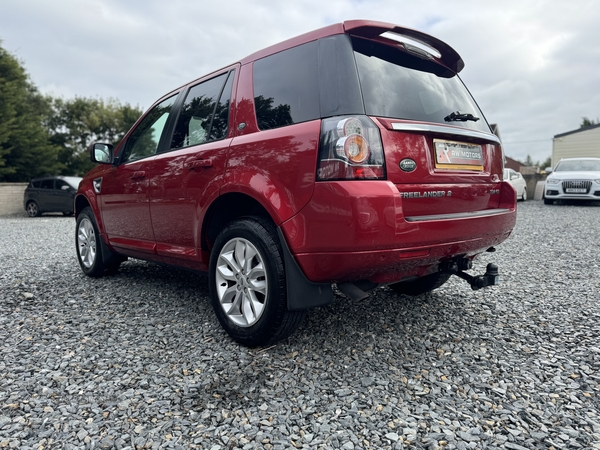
{"type": "Point", "coordinates": [383, 32]}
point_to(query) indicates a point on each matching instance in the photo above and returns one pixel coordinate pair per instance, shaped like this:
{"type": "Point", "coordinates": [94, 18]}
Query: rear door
{"type": "Point", "coordinates": [45, 195]}
{"type": "Point", "coordinates": [185, 179]}
{"type": "Point", "coordinates": [440, 152]}
{"type": "Point", "coordinates": [442, 169]}
{"type": "Point", "coordinates": [64, 194]}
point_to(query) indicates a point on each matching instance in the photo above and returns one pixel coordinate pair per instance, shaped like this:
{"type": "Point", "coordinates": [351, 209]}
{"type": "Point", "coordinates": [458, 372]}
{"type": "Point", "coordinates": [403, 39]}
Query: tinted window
{"type": "Point", "coordinates": [144, 140]}
{"type": "Point", "coordinates": [286, 89]}
{"type": "Point", "coordinates": [205, 113]}
{"type": "Point", "coordinates": [60, 184]}
{"type": "Point", "coordinates": [36, 184]}
{"type": "Point", "coordinates": [47, 184]}
{"type": "Point", "coordinates": [339, 88]}
{"type": "Point", "coordinates": [400, 85]}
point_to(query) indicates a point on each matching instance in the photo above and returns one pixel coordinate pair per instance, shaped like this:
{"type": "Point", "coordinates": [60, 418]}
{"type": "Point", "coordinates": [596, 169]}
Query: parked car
{"type": "Point", "coordinates": [518, 182]}
{"type": "Point", "coordinates": [351, 155]}
{"type": "Point", "coordinates": [50, 194]}
{"type": "Point", "coordinates": [573, 179]}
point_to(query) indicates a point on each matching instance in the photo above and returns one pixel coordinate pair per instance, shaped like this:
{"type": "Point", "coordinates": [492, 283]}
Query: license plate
{"type": "Point", "coordinates": [576, 191]}
{"type": "Point", "coordinates": [458, 155]}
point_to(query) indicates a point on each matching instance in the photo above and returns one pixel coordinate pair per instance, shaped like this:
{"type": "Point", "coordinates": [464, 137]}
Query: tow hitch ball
{"type": "Point", "coordinates": [489, 278]}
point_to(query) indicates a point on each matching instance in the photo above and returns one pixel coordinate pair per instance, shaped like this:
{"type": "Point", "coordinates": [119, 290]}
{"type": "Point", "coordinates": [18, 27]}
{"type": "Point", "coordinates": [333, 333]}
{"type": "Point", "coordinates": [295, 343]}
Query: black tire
{"type": "Point", "coordinates": [249, 295]}
{"type": "Point", "coordinates": [33, 210]}
{"type": "Point", "coordinates": [548, 202]}
{"type": "Point", "coordinates": [88, 244]}
{"type": "Point", "coordinates": [421, 285]}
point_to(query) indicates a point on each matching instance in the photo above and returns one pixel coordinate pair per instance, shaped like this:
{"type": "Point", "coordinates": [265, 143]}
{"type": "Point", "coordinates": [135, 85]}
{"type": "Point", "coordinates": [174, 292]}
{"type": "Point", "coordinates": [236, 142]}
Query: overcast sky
{"type": "Point", "coordinates": [532, 65]}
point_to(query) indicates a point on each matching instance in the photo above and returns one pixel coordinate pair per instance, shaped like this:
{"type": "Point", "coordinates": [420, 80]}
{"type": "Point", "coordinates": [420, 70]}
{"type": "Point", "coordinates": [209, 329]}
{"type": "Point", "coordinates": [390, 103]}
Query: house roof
{"type": "Point", "coordinates": [514, 162]}
{"type": "Point", "coordinates": [578, 130]}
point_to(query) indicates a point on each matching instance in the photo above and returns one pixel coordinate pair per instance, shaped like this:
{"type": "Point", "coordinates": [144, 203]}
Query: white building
{"type": "Point", "coordinates": [580, 143]}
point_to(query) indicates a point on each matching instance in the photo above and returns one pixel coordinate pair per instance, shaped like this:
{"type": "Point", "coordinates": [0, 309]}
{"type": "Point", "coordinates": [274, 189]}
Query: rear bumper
{"type": "Point", "coordinates": [356, 230]}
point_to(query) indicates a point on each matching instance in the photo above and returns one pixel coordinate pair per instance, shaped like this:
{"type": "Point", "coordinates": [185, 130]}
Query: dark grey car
{"type": "Point", "coordinates": [50, 194]}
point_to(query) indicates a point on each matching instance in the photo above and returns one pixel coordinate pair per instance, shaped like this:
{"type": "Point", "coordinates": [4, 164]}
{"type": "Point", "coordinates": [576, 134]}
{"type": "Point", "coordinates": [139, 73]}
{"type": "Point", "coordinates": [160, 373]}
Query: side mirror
{"type": "Point", "coordinates": [548, 170]}
{"type": "Point", "coordinates": [65, 188]}
{"type": "Point", "coordinates": [101, 153]}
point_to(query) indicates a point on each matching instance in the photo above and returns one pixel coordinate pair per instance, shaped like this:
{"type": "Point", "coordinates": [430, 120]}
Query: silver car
{"type": "Point", "coordinates": [574, 179]}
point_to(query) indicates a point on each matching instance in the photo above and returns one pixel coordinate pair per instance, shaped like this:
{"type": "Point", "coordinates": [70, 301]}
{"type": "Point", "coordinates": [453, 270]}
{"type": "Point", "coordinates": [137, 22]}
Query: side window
{"type": "Point", "coordinates": [36, 184]}
{"type": "Point", "coordinates": [144, 140]}
{"type": "Point", "coordinates": [286, 87]}
{"type": "Point", "coordinates": [205, 113]}
{"type": "Point", "coordinates": [61, 184]}
{"type": "Point", "coordinates": [47, 184]}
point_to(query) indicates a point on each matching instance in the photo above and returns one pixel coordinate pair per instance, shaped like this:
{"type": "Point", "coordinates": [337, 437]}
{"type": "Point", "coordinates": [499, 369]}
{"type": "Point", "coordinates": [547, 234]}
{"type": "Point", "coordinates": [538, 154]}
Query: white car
{"type": "Point", "coordinates": [518, 182]}
{"type": "Point", "coordinates": [574, 179]}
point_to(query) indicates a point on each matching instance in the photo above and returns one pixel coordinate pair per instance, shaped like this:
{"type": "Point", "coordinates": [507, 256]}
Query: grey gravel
{"type": "Point", "coordinates": [138, 360]}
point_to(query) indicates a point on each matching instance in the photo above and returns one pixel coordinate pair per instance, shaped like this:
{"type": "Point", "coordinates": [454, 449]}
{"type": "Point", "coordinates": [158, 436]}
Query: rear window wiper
{"type": "Point", "coordinates": [459, 117]}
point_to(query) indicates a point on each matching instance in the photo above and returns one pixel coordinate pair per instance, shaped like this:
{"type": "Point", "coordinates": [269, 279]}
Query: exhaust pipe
{"type": "Point", "coordinates": [357, 290]}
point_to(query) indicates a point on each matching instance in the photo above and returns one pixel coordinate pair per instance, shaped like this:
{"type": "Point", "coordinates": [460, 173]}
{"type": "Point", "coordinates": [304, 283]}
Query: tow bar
{"type": "Point", "coordinates": [458, 267]}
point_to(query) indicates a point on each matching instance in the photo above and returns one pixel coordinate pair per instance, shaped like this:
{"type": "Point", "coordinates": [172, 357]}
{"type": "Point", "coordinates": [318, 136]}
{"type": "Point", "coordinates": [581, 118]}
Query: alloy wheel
{"type": "Point", "coordinates": [241, 282]}
{"type": "Point", "coordinates": [86, 242]}
{"type": "Point", "coordinates": [32, 209]}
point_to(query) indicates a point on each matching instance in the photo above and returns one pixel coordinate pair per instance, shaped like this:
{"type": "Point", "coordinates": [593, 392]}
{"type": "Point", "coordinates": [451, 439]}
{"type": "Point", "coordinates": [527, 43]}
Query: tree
{"type": "Point", "coordinates": [546, 163]}
{"type": "Point", "coordinates": [25, 148]}
{"type": "Point", "coordinates": [585, 122]}
{"type": "Point", "coordinates": [542, 165]}
{"type": "Point", "coordinates": [75, 124]}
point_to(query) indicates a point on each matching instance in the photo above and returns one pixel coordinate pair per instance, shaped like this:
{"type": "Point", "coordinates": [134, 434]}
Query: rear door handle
{"type": "Point", "coordinates": [138, 174]}
{"type": "Point", "coordinates": [200, 163]}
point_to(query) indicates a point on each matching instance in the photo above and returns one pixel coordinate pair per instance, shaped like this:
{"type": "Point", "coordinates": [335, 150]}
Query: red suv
{"type": "Point", "coordinates": [351, 155]}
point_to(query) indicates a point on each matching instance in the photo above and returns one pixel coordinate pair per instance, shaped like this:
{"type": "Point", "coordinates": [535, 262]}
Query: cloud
{"type": "Point", "coordinates": [533, 67]}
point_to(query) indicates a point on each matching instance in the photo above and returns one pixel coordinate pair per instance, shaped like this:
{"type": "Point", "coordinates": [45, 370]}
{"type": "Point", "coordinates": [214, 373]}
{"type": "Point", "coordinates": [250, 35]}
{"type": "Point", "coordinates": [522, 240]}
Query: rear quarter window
{"type": "Point", "coordinates": [286, 87]}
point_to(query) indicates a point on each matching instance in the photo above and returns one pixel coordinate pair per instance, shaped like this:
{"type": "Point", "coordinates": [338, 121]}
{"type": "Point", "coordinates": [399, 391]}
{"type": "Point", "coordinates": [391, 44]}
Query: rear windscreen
{"type": "Point", "coordinates": [400, 85]}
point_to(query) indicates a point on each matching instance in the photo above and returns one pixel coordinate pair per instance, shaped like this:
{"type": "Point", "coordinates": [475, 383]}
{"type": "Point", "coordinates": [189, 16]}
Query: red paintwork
{"type": "Point", "coordinates": [276, 167]}
{"type": "Point", "coordinates": [243, 105]}
{"type": "Point", "coordinates": [470, 189]}
{"type": "Point", "coordinates": [337, 230]}
{"type": "Point", "coordinates": [354, 230]}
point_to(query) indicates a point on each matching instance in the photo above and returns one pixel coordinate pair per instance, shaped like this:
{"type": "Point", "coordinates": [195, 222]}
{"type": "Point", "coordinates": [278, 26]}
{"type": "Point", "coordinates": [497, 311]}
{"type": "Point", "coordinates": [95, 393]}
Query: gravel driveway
{"type": "Point", "coordinates": [138, 360]}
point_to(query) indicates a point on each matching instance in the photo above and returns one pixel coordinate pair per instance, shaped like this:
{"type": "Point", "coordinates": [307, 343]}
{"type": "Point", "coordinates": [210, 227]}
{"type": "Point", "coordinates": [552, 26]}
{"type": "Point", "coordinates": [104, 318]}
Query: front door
{"type": "Point", "coordinates": [124, 189]}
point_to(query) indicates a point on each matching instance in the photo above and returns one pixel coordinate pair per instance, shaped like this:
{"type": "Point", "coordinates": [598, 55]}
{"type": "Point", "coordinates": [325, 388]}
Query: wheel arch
{"type": "Point", "coordinates": [301, 293]}
{"type": "Point", "coordinates": [225, 209]}
{"type": "Point", "coordinates": [81, 202]}
{"type": "Point", "coordinates": [85, 199]}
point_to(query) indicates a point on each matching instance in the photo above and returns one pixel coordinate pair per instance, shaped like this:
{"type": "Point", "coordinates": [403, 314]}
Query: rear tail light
{"type": "Point", "coordinates": [350, 148]}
